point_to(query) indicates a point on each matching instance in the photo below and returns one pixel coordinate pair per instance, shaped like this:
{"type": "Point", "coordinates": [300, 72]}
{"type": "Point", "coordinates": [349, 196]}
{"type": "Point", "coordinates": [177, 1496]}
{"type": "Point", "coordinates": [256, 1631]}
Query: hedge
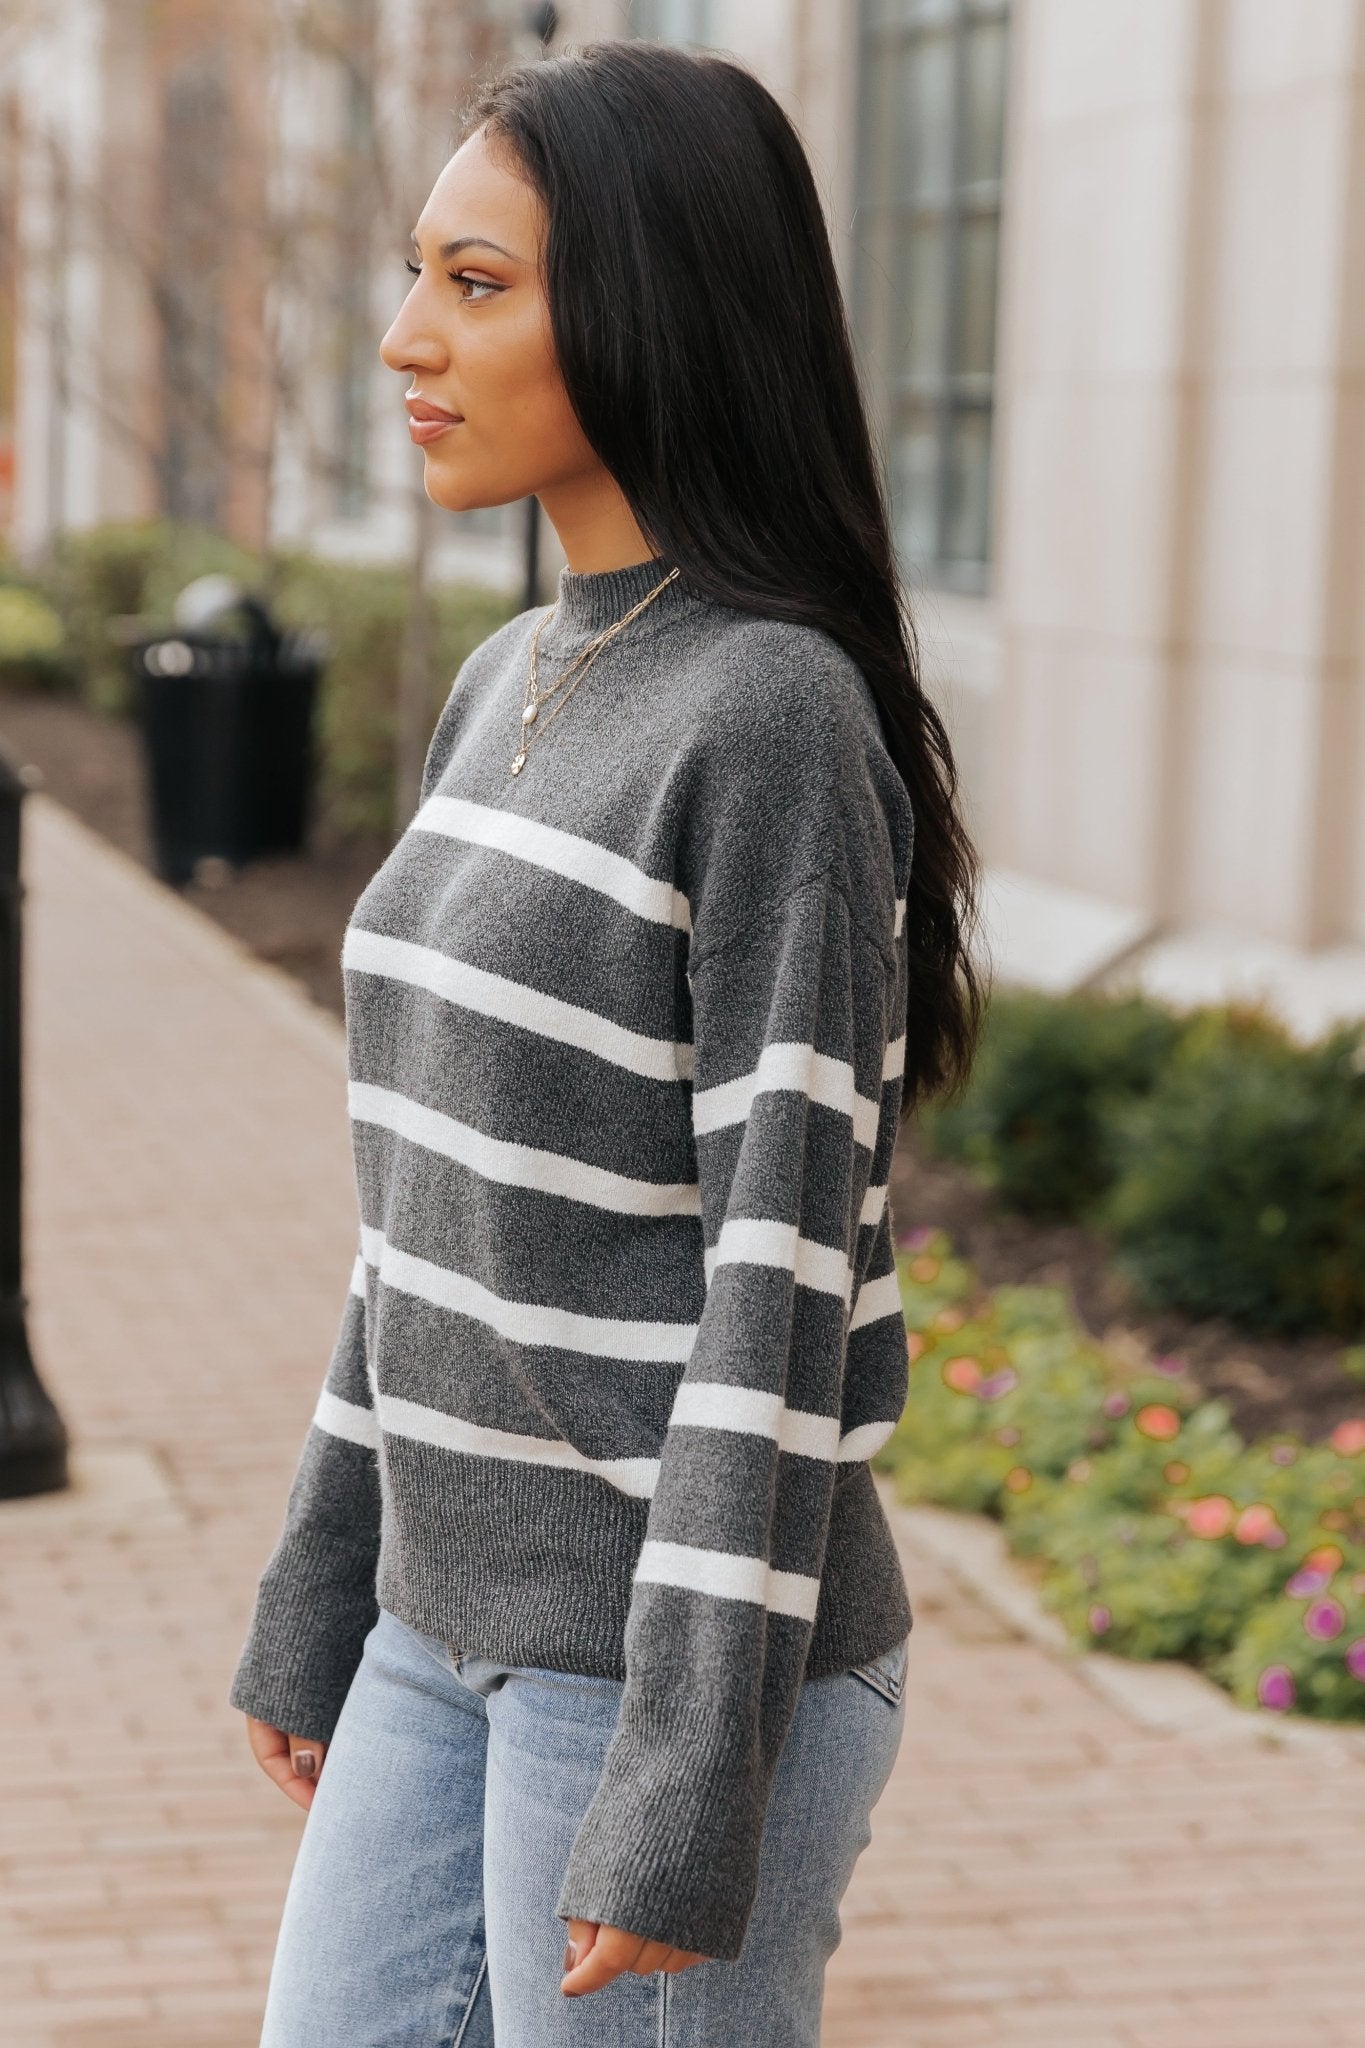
{"type": "Point", "coordinates": [1162, 1533]}
{"type": "Point", "coordinates": [134, 569]}
{"type": "Point", "coordinates": [1224, 1161]}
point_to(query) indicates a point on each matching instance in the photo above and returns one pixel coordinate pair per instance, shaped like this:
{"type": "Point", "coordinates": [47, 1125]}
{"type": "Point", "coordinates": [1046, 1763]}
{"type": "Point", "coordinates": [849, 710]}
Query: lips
{"type": "Point", "coordinates": [427, 421]}
{"type": "Point", "coordinates": [422, 409]}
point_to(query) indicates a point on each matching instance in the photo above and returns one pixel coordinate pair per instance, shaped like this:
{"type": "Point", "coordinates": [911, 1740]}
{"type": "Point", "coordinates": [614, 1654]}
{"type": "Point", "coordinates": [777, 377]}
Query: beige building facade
{"type": "Point", "coordinates": [1104, 263]}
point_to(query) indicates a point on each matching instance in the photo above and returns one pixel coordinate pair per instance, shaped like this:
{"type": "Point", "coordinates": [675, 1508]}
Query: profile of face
{"type": "Point", "coordinates": [473, 336]}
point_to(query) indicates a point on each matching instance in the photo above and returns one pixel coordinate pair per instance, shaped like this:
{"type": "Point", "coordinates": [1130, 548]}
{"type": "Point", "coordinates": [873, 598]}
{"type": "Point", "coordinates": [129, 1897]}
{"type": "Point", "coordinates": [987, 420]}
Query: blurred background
{"type": "Point", "coordinates": [1105, 266]}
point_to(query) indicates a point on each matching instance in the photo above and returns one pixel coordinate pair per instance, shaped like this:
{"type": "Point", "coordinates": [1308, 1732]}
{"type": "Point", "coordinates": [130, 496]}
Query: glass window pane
{"type": "Point", "coordinates": [967, 517]}
{"type": "Point", "coordinates": [984, 111]}
{"type": "Point", "coordinates": [910, 13]}
{"type": "Point", "coordinates": [914, 489]}
{"type": "Point", "coordinates": [671, 21]}
{"type": "Point", "coordinates": [925, 141]}
{"type": "Point", "coordinates": [974, 350]}
{"type": "Point", "coordinates": [921, 303]}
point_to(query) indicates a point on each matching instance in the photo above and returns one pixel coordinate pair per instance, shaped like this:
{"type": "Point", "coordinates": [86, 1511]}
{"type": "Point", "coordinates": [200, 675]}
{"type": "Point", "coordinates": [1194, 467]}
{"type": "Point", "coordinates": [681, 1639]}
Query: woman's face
{"type": "Point", "coordinates": [473, 336]}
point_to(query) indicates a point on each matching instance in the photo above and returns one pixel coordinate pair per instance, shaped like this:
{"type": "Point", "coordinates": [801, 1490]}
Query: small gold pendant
{"type": "Point", "coordinates": [519, 762]}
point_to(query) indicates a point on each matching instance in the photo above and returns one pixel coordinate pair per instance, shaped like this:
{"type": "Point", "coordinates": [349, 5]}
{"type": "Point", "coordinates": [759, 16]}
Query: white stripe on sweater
{"type": "Point", "coordinates": [514, 1002]}
{"type": "Point", "coordinates": [526, 1322]}
{"type": "Point", "coordinates": [635, 1476]}
{"type": "Point", "coordinates": [758, 1241]}
{"type": "Point", "coordinates": [563, 853]}
{"type": "Point", "coordinates": [712, 1404]}
{"type": "Point", "coordinates": [876, 1298]}
{"type": "Point", "coordinates": [346, 1419]}
{"type": "Point", "coordinates": [524, 1166]}
{"type": "Point", "coordinates": [788, 1065]}
{"type": "Point", "coordinates": [727, 1577]}
{"type": "Point", "coordinates": [699, 1405]}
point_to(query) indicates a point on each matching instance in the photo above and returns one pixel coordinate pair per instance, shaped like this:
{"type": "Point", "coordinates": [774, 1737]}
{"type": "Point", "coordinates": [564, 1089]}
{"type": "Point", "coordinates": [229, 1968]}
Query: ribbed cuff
{"type": "Point", "coordinates": [314, 1608]}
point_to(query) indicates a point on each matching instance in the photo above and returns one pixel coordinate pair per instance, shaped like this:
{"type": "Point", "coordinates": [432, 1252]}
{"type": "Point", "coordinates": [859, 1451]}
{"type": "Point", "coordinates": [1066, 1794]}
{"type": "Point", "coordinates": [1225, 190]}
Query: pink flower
{"type": "Point", "coordinates": [1355, 1658]}
{"type": "Point", "coordinates": [1115, 1404]}
{"type": "Point", "coordinates": [1275, 1688]}
{"type": "Point", "coordinates": [999, 1383]}
{"type": "Point", "coordinates": [1210, 1517]}
{"type": "Point", "coordinates": [1099, 1620]}
{"type": "Point", "coordinates": [1157, 1421]}
{"type": "Point", "coordinates": [963, 1375]}
{"type": "Point", "coordinates": [1324, 1620]}
{"type": "Point", "coordinates": [1348, 1437]}
{"type": "Point", "coordinates": [1170, 1365]}
{"type": "Point", "coordinates": [1305, 1583]}
{"type": "Point", "coordinates": [1257, 1524]}
{"type": "Point", "coordinates": [911, 1240]}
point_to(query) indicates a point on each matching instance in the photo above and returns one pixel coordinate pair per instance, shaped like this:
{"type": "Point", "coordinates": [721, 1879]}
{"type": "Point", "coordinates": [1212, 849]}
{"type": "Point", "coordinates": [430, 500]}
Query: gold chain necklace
{"type": "Point", "coordinates": [581, 662]}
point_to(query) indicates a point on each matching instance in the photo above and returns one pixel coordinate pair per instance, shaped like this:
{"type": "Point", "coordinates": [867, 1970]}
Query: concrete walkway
{"type": "Point", "coordinates": [1042, 1869]}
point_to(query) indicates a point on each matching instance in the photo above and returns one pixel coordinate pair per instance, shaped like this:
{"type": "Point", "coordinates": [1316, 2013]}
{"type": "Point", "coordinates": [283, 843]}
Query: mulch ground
{"type": "Point", "coordinates": [293, 911]}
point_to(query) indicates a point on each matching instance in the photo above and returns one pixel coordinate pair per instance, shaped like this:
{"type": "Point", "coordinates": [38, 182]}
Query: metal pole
{"type": "Point", "coordinates": [542, 22]}
{"type": "Point", "coordinates": [33, 1438]}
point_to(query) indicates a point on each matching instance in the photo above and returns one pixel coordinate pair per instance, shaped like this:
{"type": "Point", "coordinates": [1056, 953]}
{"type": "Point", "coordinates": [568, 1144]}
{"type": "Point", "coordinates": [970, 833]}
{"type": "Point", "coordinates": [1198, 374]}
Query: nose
{"type": "Point", "coordinates": [408, 345]}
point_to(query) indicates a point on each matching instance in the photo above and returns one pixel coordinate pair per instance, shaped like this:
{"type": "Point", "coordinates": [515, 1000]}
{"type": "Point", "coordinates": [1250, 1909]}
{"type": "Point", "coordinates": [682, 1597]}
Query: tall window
{"type": "Point", "coordinates": [924, 269]}
{"type": "Point", "coordinates": [671, 21]}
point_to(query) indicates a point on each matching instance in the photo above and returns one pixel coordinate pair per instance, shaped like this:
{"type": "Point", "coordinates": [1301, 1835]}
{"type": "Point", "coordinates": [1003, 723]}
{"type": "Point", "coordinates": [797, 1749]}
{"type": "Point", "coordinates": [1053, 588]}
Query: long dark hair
{"type": "Point", "coordinates": [704, 346]}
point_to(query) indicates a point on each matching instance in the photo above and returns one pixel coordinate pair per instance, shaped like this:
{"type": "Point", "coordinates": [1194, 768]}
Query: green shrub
{"type": "Point", "coordinates": [364, 610]}
{"type": "Point", "coordinates": [1240, 1182]}
{"type": "Point", "coordinates": [1035, 1119]}
{"type": "Point", "coordinates": [32, 654]}
{"type": "Point", "coordinates": [133, 571]}
{"type": "Point", "coordinates": [121, 570]}
{"type": "Point", "coordinates": [1161, 1532]}
{"type": "Point", "coordinates": [1306, 1651]}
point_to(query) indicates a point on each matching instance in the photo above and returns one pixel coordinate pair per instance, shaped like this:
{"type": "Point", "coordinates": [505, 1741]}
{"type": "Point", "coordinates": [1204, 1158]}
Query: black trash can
{"type": "Point", "coordinates": [227, 724]}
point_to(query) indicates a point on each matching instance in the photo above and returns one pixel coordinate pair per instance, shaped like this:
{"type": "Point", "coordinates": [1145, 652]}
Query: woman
{"type": "Point", "coordinates": [584, 1592]}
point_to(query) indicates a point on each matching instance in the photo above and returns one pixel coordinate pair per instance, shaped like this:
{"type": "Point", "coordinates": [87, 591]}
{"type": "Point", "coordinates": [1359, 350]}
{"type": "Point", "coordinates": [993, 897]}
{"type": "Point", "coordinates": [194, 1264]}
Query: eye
{"type": "Point", "coordinates": [479, 284]}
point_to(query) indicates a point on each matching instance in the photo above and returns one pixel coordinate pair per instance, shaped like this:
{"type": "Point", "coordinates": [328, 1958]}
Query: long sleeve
{"type": "Point", "coordinates": [797, 1047]}
{"type": "Point", "coordinates": [316, 1599]}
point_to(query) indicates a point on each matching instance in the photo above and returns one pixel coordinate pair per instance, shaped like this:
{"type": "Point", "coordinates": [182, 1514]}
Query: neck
{"type": "Point", "coordinates": [594, 525]}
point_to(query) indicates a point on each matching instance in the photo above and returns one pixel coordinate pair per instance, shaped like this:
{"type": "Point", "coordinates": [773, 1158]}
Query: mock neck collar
{"type": "Point", "coordinates": [588, 600]}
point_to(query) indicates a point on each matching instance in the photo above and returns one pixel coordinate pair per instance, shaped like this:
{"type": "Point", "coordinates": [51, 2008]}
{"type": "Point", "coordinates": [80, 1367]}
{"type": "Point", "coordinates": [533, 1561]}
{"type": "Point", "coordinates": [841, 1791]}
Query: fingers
{"type": "Point", "coordinates": [282, 1758]}
{"type": "Point", "coordinates": [605, 1952]}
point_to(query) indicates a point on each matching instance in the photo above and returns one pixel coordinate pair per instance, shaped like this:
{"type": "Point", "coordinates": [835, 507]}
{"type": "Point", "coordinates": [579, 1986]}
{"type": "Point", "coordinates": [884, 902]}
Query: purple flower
{"type": "Point", "coordinates": [1170, 1365]}
{"type": "Point", "coordinates": [1275, 1688]}
{"type": "Point", "coordinates": [1324, 1620]}
{"type": "Point", "coordinates": [1099, 1620]}
{"type": "Point", "coordinates": [999, 1383]}
{"type": "Point", "coordinates": [1306, 1583]}
{"type": "Point", "coordinates": [911, 1240]}
{"type": "Point", "coordinates": [1283, 1454]}
{"type": "Point", "coordinates": [1355, 1659]}
{"type": "Point", "coordinates": [1115, 1404]}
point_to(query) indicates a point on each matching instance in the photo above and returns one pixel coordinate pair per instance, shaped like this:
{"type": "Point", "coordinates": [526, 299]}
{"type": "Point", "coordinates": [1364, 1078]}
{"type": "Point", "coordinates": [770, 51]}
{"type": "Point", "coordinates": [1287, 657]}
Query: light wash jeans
{"type": "Point", "coordinates": [420, 1912]}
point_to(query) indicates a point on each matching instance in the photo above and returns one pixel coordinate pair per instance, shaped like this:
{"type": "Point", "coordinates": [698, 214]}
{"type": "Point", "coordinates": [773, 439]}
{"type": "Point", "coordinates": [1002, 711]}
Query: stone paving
{"type": "Point", "coordinates": [1042, 1869]}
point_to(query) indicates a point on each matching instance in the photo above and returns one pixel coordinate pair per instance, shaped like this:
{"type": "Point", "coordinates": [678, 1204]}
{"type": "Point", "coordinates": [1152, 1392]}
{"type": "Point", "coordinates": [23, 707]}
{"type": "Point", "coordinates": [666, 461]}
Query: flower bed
{"type": "Point", "coordinates": [1162, 1533]}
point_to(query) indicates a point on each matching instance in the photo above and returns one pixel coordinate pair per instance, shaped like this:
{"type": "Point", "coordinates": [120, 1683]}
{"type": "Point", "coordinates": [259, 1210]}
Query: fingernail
{"type": "Point", "coordinates": [305, 1762]}
{"type": "Point", "coordinates": [570, 1955]}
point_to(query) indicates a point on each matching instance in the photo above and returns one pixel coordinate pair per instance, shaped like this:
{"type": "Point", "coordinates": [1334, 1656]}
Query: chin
{"type": "Point", "coordinates": [458, 494]}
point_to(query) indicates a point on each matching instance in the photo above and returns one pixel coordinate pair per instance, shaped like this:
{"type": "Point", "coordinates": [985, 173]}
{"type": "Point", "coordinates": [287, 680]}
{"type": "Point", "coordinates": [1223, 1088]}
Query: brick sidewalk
{"type": "Point", "coordinates": [1040, 1870]}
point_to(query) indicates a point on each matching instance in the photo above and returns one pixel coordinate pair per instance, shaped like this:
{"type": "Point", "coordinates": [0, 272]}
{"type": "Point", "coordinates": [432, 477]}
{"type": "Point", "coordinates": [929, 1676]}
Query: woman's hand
{"type": "Point", "coordinates": [293, 1761]}
{"type": "Point", "coordinates": [596, 1953]}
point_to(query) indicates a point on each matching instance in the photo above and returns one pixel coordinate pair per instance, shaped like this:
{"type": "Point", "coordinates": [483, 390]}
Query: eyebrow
{"type": "Point", "coordinates": [448, 249]}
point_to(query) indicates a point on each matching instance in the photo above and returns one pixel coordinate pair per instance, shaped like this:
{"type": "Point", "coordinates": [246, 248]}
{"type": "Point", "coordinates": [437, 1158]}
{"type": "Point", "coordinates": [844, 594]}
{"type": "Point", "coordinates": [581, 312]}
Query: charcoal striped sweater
{"type": "Point", "coordinates": [625, 1043]}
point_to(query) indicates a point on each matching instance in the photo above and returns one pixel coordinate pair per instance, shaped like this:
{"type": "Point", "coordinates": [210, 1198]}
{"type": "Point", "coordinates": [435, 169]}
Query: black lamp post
{"type": "Point", "coordinates": [33, 1439]}
{"type": "Point", "coordinates": [541, 22]}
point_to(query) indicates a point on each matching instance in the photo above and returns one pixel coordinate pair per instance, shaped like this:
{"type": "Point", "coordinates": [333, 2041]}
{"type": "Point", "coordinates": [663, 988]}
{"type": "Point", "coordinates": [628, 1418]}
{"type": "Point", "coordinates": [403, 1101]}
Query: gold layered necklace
{"type": "Point", "coordinates": [532, 724]}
